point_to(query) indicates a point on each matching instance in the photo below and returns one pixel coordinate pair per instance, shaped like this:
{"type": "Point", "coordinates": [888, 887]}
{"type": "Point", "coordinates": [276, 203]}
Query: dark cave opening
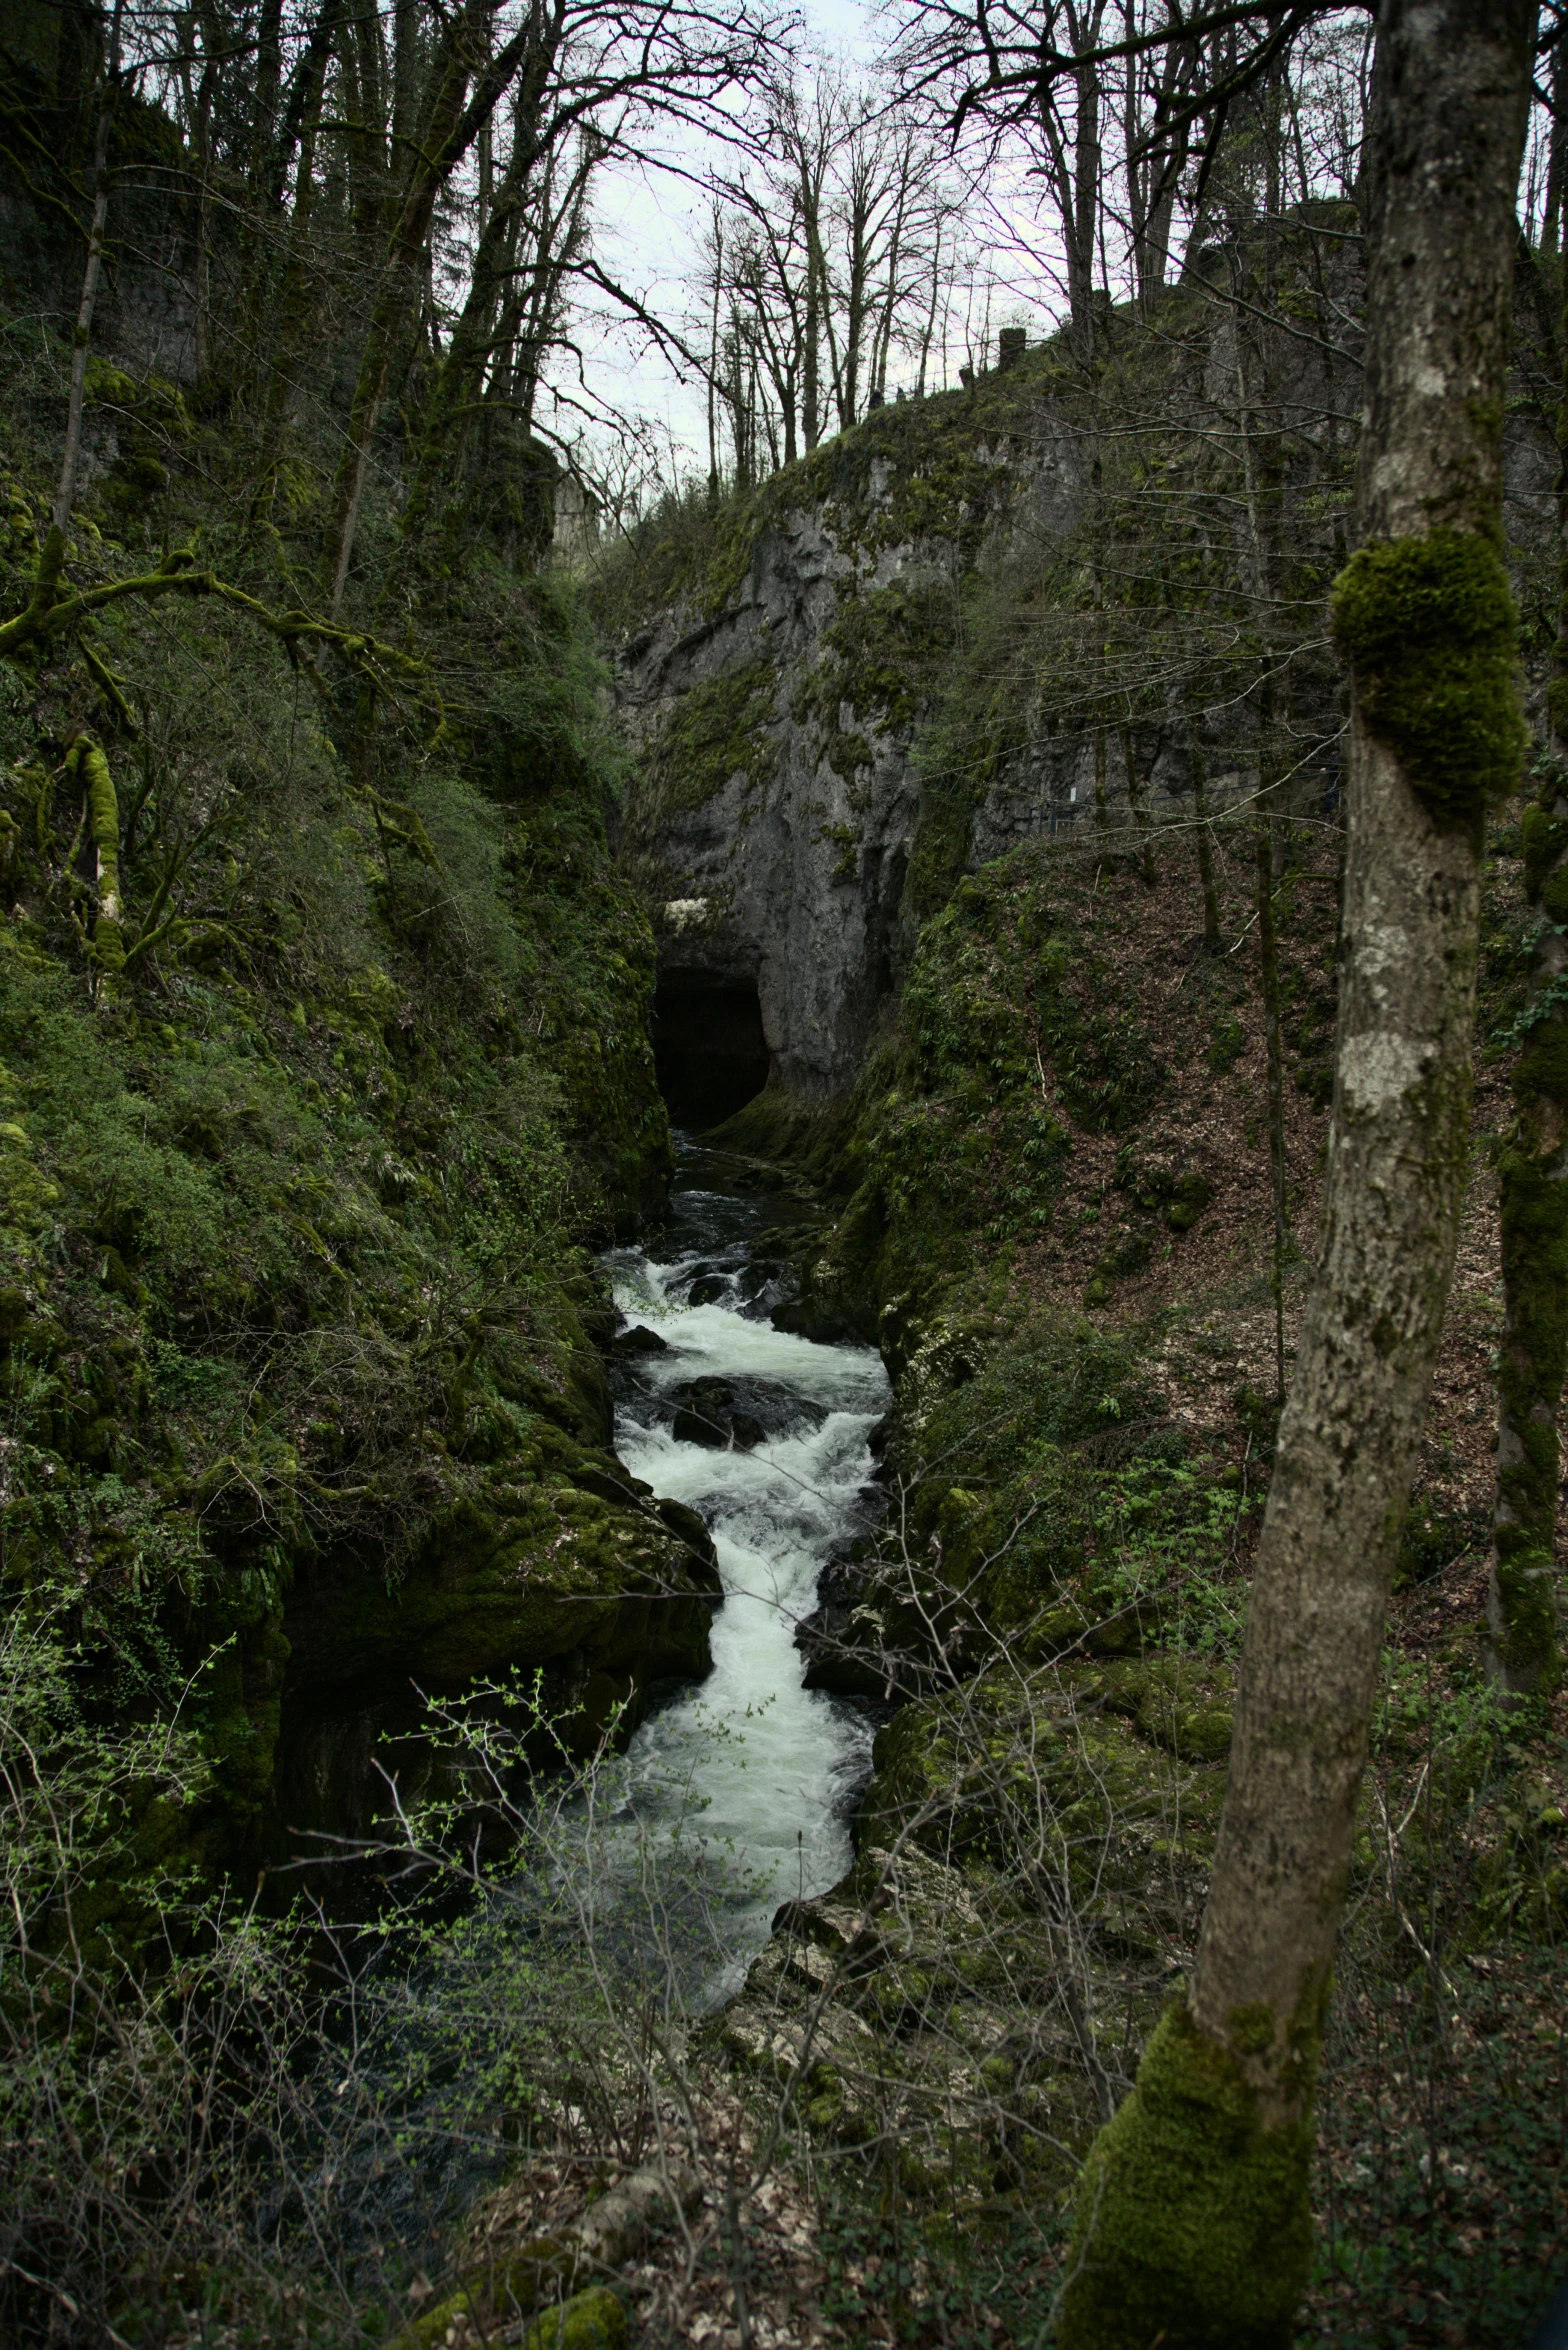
{"type": "Point", "coordinates": [708, 1046]}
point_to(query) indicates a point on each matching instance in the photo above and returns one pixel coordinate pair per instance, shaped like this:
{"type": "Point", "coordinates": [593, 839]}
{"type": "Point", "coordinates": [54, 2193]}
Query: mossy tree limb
{"type": "Point", "coordinates": [1209, 2156]}
{"type": "Point", "coordinates": [86, 761]}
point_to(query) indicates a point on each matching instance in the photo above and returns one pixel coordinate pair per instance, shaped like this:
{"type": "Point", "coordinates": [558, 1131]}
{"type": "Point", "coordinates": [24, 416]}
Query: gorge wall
{"type": "Point", "coordinates": [780, 806]}
{"type": "Point", "coordinates": [949, 632]}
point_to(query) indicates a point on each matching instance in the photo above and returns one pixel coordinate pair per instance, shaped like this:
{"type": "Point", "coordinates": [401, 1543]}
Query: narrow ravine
{"type": "Point", "coordinates": [767, 1435]}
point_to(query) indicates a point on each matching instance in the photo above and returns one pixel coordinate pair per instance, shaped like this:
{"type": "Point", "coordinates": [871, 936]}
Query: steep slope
{"type": "Point", "coordinates": [324, 1054]}
{"type": "Point", "coordinates": [1040, 606]}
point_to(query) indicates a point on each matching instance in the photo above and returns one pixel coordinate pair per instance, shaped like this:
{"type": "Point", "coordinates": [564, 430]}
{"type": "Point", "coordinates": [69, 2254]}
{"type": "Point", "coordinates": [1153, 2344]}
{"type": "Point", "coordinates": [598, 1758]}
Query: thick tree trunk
{"type": "Point", "coordinates": [1268, 988]}
{"type": "Point", "coordinates": [1194, 2220]}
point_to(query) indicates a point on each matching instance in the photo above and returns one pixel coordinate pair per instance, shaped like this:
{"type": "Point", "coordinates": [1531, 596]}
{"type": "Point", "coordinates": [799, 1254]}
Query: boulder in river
{"type": "Point", "coordinates": [702, 1412]}
{"type": "Point", "coordinates": [639, 1340]}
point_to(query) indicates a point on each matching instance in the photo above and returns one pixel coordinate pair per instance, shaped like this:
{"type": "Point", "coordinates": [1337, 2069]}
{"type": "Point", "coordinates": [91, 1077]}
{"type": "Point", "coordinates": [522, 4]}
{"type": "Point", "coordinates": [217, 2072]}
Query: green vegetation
{"type": "Point", "coordinates": [717, 730]}
{"type": "Point", "coordinates": [1191, 2186]}
{"type": "Point", "coordinates": [1429, 627]}
{"type": "Point", "coordinates": [1006, 1030]}
{"type": "Point", "coordinates": [323, 1052]}
{"type": "Point", "coordinates": [1533, 1219]}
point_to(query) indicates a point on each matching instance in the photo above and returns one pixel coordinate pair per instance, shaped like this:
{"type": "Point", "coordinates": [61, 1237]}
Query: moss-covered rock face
{"type": "Point", "coordinates": [595, 2320]}
{"type": "Point", "coordinates": [786, 652]}
{"type": "Point", "coordinates": [717, 731]}
{"type": "Point", "coordinates": [555, 1558]}
{"type": "Point", "coordinates": [1008, 1037]}
{"type": "Point", "coordinates": [1429, 626]}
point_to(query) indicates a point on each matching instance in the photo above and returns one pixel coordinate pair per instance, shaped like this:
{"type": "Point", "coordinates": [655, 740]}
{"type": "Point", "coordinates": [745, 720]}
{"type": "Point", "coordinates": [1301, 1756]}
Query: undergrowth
{"type": "Point", "coordinates": [298, 1188]}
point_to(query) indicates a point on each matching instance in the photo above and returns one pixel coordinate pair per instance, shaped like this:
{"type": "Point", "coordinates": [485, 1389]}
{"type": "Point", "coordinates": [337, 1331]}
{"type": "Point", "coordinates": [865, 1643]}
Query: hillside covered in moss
{"type": "Point", "coordinates": [305, 1146]}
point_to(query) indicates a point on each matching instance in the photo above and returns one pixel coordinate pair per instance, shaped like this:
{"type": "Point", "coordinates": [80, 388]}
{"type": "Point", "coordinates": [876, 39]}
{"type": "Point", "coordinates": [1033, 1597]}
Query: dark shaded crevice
{"type": "Point", "coordinates": [709, 1049]}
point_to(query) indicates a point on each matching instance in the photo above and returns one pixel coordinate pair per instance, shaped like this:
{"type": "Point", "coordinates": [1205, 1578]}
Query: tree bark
{"type": "Point", "coordinates": [1268, 988]}
{"type": "Point", "coordinates": [52, 560]}
{"type": "Point", "coordinates": [1205, 845]}
{"type": "Point", "coordinates": [1194, 2223]}
{"type": "Point", "coordinates": [293, 304]}
{"type": "Point", "coordinates": [459, 376]}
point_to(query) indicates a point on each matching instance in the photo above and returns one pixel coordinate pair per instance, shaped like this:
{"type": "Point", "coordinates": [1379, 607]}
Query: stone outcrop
{"type": "Point", "coordinates": [779, 807]}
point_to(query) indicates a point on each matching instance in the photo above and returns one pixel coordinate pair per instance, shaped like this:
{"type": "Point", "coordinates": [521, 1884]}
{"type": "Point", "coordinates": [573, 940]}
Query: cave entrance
{"type": "Point", "coordinates": [708, 1046]}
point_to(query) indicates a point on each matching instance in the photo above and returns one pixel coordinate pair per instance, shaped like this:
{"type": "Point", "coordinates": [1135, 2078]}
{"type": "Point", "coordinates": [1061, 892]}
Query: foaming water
{"type": "Point", "coordinates": [751, 1766]}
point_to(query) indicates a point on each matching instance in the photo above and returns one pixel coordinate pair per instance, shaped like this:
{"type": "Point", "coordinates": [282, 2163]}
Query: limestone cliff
{"type": "Point", "coordinates": [1034, 607]}
{"type": "Point", "coordinates": [780, 802]}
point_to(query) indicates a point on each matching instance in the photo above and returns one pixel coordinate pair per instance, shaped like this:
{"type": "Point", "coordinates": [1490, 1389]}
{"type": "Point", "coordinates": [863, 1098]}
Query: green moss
{"type": "Point", "coordinates": [809, 1137]}
{"type": "Point", "coordinates": [595, 2320]}
{"type": "Point", "coordinates": [1182, 1703]}
{"type": "Point", "coordinates": [1194, 2224]}
{"type": "Point", "coordinates": [717, 730]}
{"type": "Point", "coordinates": [944, 827]}
{"type": "Point", "coordinates": [1544, 839]}
{"type": "Point", "coordinates": [1429, 627]}
{"type": "Point", "coordinates": [297, 1241]}
{"type": "Point", "coordinates": [544, 2264]}
{"type": "Point", "coordinates": [1009, 1026]}
{"type": "Point", "coordinates": [102, 821]}
{"type": "Point", "coordinates": [879, 659]}
{"type": "Point", "coordinates": [1531, 1366]}
{"type": "Point", "coordinates": [1533, 1220]}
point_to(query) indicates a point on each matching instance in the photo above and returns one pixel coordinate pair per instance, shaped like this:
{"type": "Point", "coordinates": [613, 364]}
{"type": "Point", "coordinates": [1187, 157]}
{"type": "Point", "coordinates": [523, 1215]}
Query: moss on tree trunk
{"type": "Point", "coordinates": [102, 812]}
{"type": "Point", "coordinates": [1194, 2221]}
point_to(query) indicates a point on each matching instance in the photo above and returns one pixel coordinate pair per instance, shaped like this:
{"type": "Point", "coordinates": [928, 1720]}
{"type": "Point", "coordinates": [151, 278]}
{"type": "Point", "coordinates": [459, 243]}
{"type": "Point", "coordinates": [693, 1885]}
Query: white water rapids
{"type": "Point", "coordinates": [752, 1766]}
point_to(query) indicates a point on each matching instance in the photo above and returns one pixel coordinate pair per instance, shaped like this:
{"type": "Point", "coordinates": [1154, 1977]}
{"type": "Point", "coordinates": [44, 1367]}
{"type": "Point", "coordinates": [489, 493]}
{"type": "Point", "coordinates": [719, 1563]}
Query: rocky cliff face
{"type": "Point", "coordinates": [781, 804]}
{"type": "Point", "coordinates": [1039, 606]}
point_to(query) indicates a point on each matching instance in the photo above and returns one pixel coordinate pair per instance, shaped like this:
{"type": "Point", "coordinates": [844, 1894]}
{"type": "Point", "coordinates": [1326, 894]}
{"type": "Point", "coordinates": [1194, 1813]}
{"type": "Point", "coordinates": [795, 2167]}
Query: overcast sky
{"type": "Point", "coordinates": [648, 226]}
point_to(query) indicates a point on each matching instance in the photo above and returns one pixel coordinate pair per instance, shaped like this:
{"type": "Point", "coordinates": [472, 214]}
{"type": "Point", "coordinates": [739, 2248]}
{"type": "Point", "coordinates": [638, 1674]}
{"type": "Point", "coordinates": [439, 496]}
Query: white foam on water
{"type": "Point", "coordinates": [750, 1760]}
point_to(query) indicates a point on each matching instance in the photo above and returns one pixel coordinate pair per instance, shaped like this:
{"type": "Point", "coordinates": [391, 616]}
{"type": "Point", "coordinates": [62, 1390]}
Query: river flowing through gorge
{"type": "Point", "coordinates": [767, 1435]}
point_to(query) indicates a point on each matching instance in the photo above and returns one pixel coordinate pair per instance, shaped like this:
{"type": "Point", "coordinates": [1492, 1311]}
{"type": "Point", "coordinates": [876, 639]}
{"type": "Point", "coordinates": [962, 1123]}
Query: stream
{"type": "Point", "coordinates": [657, 1871]}
{"type": "Point", "coordinates": [773, 1448]}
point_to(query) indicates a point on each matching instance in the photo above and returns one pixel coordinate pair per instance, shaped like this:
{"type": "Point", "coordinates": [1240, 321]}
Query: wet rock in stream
{"type": "Point", "coordinates": [702, 1411]}
{"type": "Point", "coordinates": [638, 1340]}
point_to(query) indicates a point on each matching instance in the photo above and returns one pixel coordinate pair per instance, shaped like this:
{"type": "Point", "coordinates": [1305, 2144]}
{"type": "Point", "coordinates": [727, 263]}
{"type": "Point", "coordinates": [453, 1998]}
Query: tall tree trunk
{"type": "Point", "coordinates": [811, 356]}
{"type": "Point", "coordinates": [1086, 197]}
{"type": "Point", "coordinates": [1200, 824]}
{"type": "Point", "coordinates": [1552, 208]}
{"type": "Point", "coordinates": [1522, 1601]}
{"type": "Point", "coordinates": [269, 84]}
{"type": "Point", "coordinates": [293, 309]}
{"type": "Point", "coordinates": [459, 375]}
{"type": "Point", "coordinates": [1194, 2223]}
{"type": "Point", "coordinates": [1268, 989]}
{"type": "Point", "coordinates": [448, 133]}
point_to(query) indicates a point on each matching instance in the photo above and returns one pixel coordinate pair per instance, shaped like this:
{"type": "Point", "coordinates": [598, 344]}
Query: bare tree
{"type": "Point", "coordinates": [1193, 2213]}
{"type": "Point", "coordinates": [825, 262]}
